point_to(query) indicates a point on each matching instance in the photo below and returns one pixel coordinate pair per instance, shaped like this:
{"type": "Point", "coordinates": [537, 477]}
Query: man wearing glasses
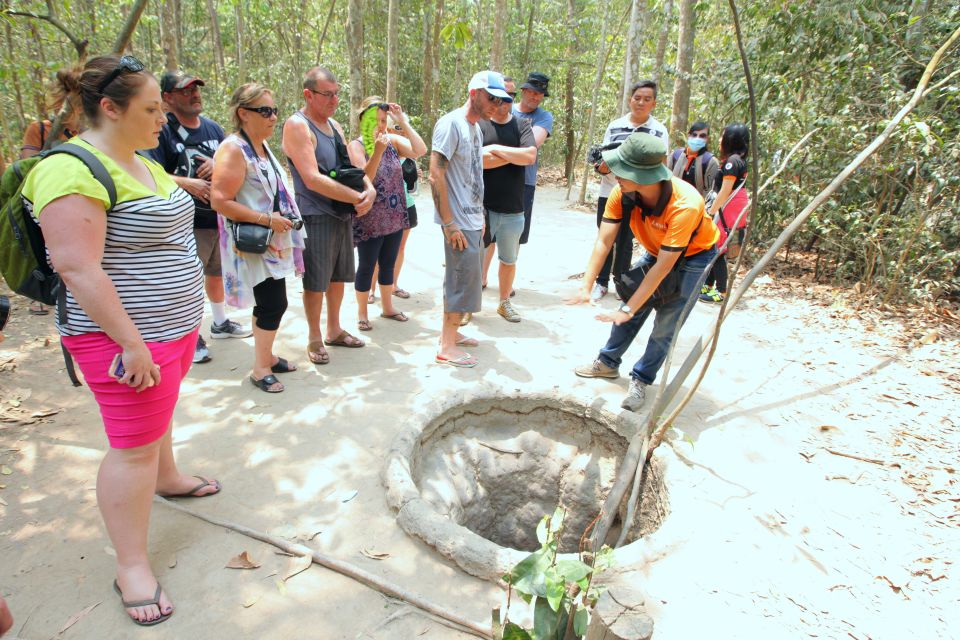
{"type": "Point", "coordinates": [643, 99]}
{"type": "Point", "coordinates": [456, 178]}
{"type": "Point", "coordinates": [314, 145]}
{"type": "Point", "coordinates": [187, 144]}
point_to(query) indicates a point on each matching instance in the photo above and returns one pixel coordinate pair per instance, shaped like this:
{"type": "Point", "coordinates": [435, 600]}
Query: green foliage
{"type": "Point", "coordinates": [843, 67]}
{"type": "Point", "coordinates": [557, 588]}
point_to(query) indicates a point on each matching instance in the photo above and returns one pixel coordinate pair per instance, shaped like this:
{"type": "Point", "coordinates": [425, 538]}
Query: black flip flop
{"type": "Point", "coordinates": [143, 603]}
{"type": "Point", "coordinates": [282, 366]}
{"type": "Point", "coordinates": [266, 382]}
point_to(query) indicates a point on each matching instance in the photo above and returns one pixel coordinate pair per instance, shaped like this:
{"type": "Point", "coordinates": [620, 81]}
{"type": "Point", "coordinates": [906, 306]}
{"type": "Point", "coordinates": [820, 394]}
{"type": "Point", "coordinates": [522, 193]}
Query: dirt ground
{"type": "Point", "coordinates": [814, 492]}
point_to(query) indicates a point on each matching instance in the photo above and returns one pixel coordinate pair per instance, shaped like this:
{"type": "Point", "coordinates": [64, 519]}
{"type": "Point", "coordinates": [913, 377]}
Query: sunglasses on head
{"type": "Point", "coordinates": [127, 64]}
{"type": "Point", "coordinates": [265, 111]}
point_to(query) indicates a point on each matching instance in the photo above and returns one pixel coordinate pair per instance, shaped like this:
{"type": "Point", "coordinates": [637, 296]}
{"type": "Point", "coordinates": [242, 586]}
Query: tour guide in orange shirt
{"type": "Point", "coordinates": [667, 217]}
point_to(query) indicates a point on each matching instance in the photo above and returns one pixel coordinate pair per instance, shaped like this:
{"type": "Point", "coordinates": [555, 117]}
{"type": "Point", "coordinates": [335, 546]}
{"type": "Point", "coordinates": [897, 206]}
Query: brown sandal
{"type": "Point", "coordinates": [317, 354]}
{"type": "Point", "coordinates": [345, 340]}
{"type": "Point", "coordinates": [364, 325]}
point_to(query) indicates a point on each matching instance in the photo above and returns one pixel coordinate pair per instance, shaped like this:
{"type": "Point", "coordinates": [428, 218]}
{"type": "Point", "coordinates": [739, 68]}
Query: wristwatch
{"type": "Point", "coordinates": [625, 308]}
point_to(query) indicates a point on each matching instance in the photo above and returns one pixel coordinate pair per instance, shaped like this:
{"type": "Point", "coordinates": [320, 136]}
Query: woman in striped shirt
{"type": "Point", "coordinates": [135, 299]}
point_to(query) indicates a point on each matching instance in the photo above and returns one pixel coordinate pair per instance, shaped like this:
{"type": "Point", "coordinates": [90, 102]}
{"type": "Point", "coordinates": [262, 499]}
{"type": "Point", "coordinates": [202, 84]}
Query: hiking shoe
{"type": "Point", "coordinates": [710, 294]}
{"type": "Point", "coordinates": [201, 353]}
{"type": "Point", "coordinates": [597, 369]}
{"type": "Point", "coordinates": [635, 396]}
{"type": "Point", "coordinates": [465, 320]}
{"type": "Point", "coordinates": [229, 329]}
{"type": "Point", "coordinates": [598, 292]}
{"type": "Point", "coordinates": [508, 312]}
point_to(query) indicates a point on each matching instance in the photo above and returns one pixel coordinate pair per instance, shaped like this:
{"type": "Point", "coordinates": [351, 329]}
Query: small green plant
{"type": "Point", "coordinates": [561, 592]}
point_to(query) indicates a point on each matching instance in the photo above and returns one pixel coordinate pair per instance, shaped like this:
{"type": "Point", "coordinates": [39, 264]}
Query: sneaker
{"type": "Point", "coordinates": [201, 353]}
{"type": "Point", "coordinates": [710, 294]}
{"type": "Point", "coordinates": [635, 396]}
{"type": "Point", "coordinates": [229, 329]}
{"type": "Point", "coordinates": [508, 312]}
{"type": "Point", "coordinates": [597, 369]}
{"type": "Point", "coordinates": [465, 320]}
{"type": "Point", "coordinates": [598, 292]}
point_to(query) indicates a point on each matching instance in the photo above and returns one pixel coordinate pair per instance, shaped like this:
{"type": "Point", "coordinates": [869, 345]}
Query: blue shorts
{"type": "Point", "coordinates": [506, 228]}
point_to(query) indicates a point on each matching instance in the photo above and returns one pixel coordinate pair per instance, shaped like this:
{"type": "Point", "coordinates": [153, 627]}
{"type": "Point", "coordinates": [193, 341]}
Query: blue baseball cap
{"type": "Point", "coordinates": [492, 83]}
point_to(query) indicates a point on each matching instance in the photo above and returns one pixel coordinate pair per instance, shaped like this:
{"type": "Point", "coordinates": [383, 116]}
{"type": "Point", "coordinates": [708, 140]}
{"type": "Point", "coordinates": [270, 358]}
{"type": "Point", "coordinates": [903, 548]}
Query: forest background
{"type": "Point", "coordinates": [837, 68]}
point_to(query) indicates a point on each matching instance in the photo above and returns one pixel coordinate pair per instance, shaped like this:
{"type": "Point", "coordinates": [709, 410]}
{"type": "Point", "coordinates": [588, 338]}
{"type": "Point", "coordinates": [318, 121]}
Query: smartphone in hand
{"type": "Point", "coordinates": [116, 369]}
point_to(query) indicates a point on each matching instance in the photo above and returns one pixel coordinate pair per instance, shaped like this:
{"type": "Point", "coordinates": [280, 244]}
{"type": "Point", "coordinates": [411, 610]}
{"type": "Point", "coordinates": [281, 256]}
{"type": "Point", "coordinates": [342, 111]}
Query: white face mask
{"type": "Point", "coordinates": [696, 144]}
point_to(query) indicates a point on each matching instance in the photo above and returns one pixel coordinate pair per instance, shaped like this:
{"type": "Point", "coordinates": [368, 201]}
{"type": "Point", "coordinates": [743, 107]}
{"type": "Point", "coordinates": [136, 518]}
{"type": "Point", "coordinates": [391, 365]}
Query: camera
{"type": "Point", "coordinates": [595, 153]}
{"type": "Point", "coordinates": [195, 162]}
{"type": "Point", "coordinates": [297, 222]}
{"type": "Point", "coordinates": [4, 311]}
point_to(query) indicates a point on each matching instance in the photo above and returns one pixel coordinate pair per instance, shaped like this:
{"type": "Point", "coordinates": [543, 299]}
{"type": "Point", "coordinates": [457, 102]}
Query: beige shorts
{"type": "Point", "coordinates": [208, 250]}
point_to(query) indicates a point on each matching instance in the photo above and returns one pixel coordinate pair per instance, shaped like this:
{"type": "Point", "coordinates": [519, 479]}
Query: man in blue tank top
{"type": "Point", "coordinates": [314, 145]}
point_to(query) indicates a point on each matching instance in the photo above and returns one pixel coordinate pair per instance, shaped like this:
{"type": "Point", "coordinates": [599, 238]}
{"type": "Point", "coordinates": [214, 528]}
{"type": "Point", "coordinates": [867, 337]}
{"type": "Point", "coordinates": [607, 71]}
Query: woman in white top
{"type": "Point", "coordinates": [248, 186]}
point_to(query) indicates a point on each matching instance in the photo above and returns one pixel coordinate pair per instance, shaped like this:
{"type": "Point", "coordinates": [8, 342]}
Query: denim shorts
{"type": "Point", "coordinates": [506, 228]}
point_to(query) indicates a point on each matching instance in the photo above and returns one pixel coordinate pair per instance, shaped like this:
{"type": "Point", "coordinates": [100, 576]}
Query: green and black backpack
{"type": "Point", "coordinates": [23, 256]}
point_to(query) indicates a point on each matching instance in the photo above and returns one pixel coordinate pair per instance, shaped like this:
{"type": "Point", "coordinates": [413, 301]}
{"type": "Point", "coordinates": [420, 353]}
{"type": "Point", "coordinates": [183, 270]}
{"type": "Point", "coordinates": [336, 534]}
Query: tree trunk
{"type": "Point", "coordinates": [238, 33]}
{"type": "Point", "coordinates": [426, 103]}
{"type": "Point", "coordinates": [323, 34]}
{"type": "Point", "coordinates": [215, 31]}
{"type": "Point", "coordinates": [499, 34]}
{"type": "Point", "coordinates": [526, 46]}
{"type": "Point", "coordinates": [681, 87]}
{"type": "Point", "coordinates": [620, 615]}
{"type": "Point", "coordinates": [631, 57]}
{"type": "Point", "coordinates": [129, 27]}
{"type": "Point", "coordinates": [662, 41]}
{"type": "Point", "coordinates": [18, 95]}
{"type": "Point", "coordinates": [434, 83]}
{"type": "Point", "coordinates": [168, 35]}
{"type": "Point", "coordinates": [569, 132]}
{"type": "Point", "coordinates": [355, 55]}
{"type": "Point", "coordinates": [178, 20]}
{"type": "Point", "coordinates": [391, 91]}
{"type": "Point", "coordinates": [597, 81]}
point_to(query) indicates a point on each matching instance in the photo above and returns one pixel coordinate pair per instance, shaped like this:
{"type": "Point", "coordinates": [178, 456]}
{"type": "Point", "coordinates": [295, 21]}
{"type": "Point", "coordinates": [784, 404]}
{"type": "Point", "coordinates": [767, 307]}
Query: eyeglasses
{"type": "Point", "coordinates": [326, 94]}
{"type": "Point", "coordinates": [187, 91]}
{"type": "Point", "coordinates": [700, 134]}
{"type": "Point", "coordinates": [265, 111]}
{"type": "Point", "coordinates": [127, 64]}
{"type": "Point", "coordinates": [494, 99]}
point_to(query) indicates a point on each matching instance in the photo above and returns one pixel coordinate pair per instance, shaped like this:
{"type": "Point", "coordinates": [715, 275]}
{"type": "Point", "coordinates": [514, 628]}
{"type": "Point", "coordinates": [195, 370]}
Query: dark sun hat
{"type": "Point", "coordinates": [539, 82]}
{"type": "Point", "coordinates": [639, 159]}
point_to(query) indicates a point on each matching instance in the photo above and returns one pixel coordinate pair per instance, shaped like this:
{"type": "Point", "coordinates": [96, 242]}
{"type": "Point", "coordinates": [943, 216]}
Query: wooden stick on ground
{"type": "Point", "coordinates": [343, 568]}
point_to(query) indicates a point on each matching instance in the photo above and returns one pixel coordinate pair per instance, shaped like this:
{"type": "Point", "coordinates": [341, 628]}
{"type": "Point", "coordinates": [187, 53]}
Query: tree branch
{"type": "Point", "coordinates": [129, 27]}
{"type": "Point", "coordinates": [78, 44]}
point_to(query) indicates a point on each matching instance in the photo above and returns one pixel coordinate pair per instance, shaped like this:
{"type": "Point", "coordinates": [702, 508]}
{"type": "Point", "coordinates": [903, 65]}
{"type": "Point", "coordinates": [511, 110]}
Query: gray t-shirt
{"type": "Point", "coordinates": [461, 144]}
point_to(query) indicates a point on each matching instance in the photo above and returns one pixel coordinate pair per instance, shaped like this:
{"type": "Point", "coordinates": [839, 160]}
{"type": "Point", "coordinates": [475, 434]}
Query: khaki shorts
{"type": "Point", "coordinates": [208, 250]}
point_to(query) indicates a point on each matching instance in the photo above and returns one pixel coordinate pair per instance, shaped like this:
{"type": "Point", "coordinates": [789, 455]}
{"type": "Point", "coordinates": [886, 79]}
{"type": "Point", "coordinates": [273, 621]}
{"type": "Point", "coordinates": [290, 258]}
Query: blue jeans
{"type": "Point", "coordinates": [667, 317]}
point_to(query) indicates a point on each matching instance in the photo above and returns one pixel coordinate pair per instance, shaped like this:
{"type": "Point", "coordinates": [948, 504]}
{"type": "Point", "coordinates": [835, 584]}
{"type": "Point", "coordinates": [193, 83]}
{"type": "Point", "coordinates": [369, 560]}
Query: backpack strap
{"type": "Point", "coordinates": [103, 177]}
{"type": "Point", "coordinates": [94, 165]}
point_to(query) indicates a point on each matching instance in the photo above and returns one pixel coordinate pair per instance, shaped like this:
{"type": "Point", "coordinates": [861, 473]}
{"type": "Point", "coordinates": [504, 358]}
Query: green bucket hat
{"type": "Point", "coordinates": [639, 159]}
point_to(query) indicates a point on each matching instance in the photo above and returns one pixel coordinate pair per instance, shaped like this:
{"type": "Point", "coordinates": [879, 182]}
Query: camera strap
{"type": "Point", "coordinates": [263, 171]}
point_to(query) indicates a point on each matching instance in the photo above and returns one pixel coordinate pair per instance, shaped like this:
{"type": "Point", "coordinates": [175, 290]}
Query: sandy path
{"type": "Point", "coordinates": [770, 535]}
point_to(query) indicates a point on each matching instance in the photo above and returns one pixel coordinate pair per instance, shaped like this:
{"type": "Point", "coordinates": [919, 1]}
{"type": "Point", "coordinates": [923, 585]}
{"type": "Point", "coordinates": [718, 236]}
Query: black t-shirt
{"type": "Point", "coordinates": [732, 166]}
{"type": "Point", "coordinates": [503, 186]}
{"type": "Point", "coordinates": [178, 148]}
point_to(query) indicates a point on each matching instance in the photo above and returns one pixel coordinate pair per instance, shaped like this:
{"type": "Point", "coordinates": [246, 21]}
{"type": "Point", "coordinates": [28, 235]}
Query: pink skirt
{"type": "Point", "coordinates": [133, 419]}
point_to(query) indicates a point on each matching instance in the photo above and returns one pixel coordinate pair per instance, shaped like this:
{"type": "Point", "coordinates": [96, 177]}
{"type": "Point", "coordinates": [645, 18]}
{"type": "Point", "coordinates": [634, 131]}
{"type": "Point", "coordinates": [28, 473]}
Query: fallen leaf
{"type": "Point", "coordinates": [45, 413]}
{"type": "Point", "coordinates": [249, 602]}
{"type": "Point", "coordinates": [172, 561]}
{"type": "Point", "coordinates": [930, 338]}
{"type": "Point", "coordinates": [375, 555]}
{"type": "Point", "coordinates": [242, 561]}
{"type": "Point", "coordinates": [5, 470]}
{"type": "Point", "coordinates": [347, 497]}
{"type": "Point", "coordinates": [314, 535]}
{"type": "Point", "coordinates": [297, 565]}
{"type": "Point", "coordinates": [828, 427]}
{"type": "Point", "coordinates": [75, 618]}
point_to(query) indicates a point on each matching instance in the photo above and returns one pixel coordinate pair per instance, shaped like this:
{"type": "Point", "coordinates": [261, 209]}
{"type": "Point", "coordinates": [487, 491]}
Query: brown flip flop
{"type": "Point", "coordinates": [316, 353]}
{"type": "Point", "coordinates": [399, 316]}
{"type": "Point", "coordinates": [144, 603]}
{"type": "Point", "coordinates": [345, 340]}
{"type": "Point", "coordinates": [193, 492]}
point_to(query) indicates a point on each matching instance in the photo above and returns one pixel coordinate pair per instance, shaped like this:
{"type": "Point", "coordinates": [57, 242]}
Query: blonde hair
{"type": "Point", "coordinates": [244, 96]}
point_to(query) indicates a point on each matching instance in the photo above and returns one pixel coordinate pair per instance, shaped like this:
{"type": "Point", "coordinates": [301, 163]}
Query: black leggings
{"type": "Point", "coordinates": [271, 302]}
{"type": "Point", "coordinates": [380, 251]}
{"type": "Point", "coordinates": [718, 274]}
{"type": "Point", "coordinates": [618, 260]}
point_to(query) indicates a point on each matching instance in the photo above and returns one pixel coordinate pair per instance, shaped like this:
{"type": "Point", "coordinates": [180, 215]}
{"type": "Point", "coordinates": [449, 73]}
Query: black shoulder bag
{"type": "Point", "coordinates": [250, 237]}
{"type": "Point", "coordinates": [667, 292]}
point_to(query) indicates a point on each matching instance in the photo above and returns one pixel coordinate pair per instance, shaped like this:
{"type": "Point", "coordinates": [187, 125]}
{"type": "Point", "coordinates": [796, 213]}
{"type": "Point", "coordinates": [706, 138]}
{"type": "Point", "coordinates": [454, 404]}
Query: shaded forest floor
{"type": "Point", "coordinates": [817, 494]}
